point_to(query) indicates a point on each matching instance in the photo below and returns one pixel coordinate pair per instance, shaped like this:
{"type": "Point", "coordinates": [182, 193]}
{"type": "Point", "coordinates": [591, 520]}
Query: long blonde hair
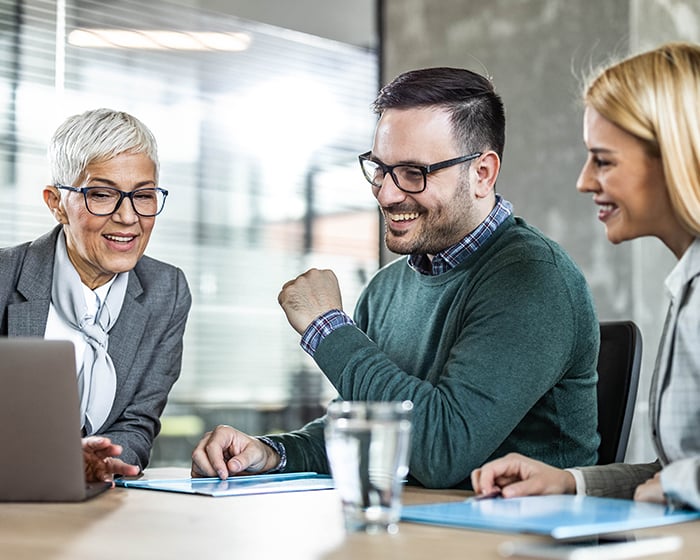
{"type": "Point", "coordinates": [655, 96]}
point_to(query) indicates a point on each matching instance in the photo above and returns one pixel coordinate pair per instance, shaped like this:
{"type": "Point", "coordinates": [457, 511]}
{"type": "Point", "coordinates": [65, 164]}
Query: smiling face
{"type": "Point", "coordinates": [627, 184]}
{"type": "Point", "coordinates": [101, 246]}
{"type": "Point", "coordinates": [449, 208]}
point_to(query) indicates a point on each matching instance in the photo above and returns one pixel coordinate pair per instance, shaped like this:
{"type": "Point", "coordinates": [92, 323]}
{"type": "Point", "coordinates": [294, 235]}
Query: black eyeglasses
{"type": "Point", "coordinates": [105, 201]}
{"type": "Point", "coordinates": [409, 178]}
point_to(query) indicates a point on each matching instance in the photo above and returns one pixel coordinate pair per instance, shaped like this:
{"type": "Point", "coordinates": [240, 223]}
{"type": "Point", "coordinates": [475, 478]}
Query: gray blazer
{"type": "Point", "coordinates": [145, 343]}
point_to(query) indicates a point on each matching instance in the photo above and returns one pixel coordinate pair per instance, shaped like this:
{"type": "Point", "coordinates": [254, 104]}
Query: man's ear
{"type": "Point", "coordinates": [486, 168]}
{"type": "Point", "coordinates": [52, 198]}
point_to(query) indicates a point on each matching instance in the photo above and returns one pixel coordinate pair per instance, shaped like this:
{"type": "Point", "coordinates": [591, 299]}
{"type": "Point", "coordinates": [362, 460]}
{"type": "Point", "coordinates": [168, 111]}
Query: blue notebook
{"type": "Point", "coordinates": [561, 517]}
{"type": "Point", "coordinates": [236, 485]}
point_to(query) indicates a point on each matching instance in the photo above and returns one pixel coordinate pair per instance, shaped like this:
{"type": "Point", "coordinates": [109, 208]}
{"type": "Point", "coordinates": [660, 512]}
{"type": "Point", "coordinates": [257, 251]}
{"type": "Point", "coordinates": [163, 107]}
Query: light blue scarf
{"type": "Point", "coordinates": [97, 378]}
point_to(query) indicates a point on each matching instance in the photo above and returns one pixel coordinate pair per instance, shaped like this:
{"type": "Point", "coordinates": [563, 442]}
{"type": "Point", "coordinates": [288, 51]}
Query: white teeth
{"type": "Point", "coordinates": [119, 239]}
{"type": "Point", "coordinates": [607, 207]}
{"type": "Point", "coordinates": [403, 217]}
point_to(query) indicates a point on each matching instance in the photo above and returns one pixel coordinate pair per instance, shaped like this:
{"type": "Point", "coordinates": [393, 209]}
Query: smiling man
{"type": "Point", "coordinates": [486, 325]}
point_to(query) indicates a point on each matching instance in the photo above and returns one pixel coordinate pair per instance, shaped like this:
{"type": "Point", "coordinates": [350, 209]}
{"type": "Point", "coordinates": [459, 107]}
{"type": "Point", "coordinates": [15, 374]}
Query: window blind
{"type": "Point", "coordinates": [258, 130]}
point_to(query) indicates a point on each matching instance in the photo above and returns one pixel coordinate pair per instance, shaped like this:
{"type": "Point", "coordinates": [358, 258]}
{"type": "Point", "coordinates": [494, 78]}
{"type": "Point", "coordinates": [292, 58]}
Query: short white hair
{"type": "Point", "coordinates": [95, 136]}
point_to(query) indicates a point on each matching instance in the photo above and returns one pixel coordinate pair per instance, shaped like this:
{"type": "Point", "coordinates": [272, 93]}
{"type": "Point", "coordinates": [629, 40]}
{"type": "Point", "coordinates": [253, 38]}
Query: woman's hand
{"type": "Point", "coordinates": [651, 491]}
{"type": "Point", "coordinates": [101, 463]}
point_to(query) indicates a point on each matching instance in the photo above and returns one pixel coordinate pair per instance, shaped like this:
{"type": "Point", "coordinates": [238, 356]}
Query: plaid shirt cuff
{"type": "Point", "coordinates": [321, 327]}
{"type": "Point", "coordinates": [279, 448]}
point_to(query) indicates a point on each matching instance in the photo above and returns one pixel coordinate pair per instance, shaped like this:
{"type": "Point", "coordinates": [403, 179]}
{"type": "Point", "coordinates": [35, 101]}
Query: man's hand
{"type": "Point", "coordinates": [651, 490]}
{"type": "Point", "coordinates": [515, 475]}
{"type": "Point", "coordinates": [100, 460]}
{"type": "Point", "coordinates": [226, 451]}
{"type": "Point", "coordinates": [309, 296]}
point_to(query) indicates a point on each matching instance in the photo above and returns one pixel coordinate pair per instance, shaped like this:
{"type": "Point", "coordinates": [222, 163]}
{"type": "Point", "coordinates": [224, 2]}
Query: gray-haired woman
{"type": "Point", "coordinates": [89, 282]}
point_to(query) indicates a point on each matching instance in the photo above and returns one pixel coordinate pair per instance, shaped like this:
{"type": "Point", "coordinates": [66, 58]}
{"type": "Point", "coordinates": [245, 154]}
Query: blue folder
{"type": "Point", "coordinates": [561, 517]}
{"type": "Point", "coordinates": [236, 485]}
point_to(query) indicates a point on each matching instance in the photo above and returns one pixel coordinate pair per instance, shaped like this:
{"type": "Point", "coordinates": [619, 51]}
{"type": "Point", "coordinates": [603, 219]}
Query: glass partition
{"type": "Point", "coordinates": [259, 130]}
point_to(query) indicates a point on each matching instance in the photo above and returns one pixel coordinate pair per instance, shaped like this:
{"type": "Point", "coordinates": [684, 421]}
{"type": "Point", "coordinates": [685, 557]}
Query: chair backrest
{"type": "Point", "coordinates": [619, 362]}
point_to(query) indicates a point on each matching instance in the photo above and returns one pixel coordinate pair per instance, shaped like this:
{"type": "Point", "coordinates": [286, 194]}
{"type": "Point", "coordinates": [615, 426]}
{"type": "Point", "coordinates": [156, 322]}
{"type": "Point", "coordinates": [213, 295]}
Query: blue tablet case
{"type": "Point", "coordinates": [561, 517]}
{"type": "Point", "coordinates": [236, 485]}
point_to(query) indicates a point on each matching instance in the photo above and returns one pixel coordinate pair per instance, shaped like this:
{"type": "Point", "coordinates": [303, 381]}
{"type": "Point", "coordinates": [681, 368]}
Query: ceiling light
{"type": "Point", "coordinates": [159, 40]}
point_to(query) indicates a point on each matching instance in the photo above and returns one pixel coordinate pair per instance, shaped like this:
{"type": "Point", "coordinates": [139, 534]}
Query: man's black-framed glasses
{"type": "Point", "coordinates": [410, 178]}
{"type": "Point", "coordinates": [105, 201]}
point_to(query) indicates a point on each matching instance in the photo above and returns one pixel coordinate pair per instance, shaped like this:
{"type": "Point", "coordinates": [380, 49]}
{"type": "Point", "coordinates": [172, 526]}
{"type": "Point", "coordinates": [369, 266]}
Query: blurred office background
{"type": "Point", "coordinates": [261, 107]}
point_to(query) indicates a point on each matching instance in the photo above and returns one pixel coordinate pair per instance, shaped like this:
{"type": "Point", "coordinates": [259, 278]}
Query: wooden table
{"type": "Point", "coordinates": [130, 524]}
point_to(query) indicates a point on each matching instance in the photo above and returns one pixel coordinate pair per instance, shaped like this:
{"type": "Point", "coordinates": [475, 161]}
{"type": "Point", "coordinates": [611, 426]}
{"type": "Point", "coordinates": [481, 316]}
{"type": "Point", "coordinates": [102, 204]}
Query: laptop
{"type": "Point", "coordinates": [41, 458]}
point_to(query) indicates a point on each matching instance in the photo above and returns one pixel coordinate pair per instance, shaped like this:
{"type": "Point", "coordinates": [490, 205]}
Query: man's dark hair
{"type": "Point", "coordinates": [478, 116]}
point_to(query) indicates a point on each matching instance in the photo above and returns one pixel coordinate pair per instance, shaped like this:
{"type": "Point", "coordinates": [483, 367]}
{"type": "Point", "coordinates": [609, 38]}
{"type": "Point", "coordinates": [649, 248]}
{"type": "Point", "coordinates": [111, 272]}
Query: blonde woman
{"type": "Point", "coordinates": [642, 130]}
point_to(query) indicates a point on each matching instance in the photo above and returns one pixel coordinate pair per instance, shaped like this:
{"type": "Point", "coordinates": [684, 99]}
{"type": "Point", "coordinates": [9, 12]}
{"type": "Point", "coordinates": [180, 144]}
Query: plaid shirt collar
{"type": "Point", "coordinates": [452, 256]}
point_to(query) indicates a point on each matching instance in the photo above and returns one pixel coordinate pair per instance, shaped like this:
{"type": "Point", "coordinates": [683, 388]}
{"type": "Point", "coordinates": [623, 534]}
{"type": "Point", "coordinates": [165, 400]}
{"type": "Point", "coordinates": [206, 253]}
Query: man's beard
{"type": "Point", "coordinates": [439, 229]}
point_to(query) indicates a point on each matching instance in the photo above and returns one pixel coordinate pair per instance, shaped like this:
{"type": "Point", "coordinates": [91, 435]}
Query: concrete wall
{"type": "Point", "coordinates": [537, 51]}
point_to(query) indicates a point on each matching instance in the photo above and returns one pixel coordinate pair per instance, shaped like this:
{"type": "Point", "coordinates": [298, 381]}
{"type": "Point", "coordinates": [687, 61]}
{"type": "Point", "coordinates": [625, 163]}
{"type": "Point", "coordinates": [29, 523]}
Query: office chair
{"type": "Point", "coordinates": [619, 362]}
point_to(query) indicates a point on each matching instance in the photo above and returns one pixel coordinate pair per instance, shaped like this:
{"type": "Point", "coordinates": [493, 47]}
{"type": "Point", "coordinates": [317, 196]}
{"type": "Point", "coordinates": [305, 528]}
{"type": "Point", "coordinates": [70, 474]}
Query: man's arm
{"type": "Point", "coordinates": [508, 354]}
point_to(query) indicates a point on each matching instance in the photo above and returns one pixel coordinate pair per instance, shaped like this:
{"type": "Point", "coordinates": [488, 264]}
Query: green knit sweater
{"type": "Point", "coordinates": [499, 354]}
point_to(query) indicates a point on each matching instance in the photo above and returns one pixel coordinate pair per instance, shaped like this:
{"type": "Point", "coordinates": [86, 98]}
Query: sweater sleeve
{"type": "Point", "coordinates": [518, 332]}
{"type": "Point", "coordinates": [305, 448]}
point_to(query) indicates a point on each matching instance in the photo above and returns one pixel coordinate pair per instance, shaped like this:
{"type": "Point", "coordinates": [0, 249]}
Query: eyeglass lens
{"type": "Point", "coordinates": [147, 202]}
{"type": "Point", "coordinates": [408, 177]}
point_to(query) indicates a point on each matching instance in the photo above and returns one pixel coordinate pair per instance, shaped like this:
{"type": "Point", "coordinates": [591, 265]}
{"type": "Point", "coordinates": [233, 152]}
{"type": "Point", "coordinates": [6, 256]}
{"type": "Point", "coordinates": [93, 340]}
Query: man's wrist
{"type": "Point", "coordinates": [321, 327]}
{"type": "Point", "coordinates": [279, 449]}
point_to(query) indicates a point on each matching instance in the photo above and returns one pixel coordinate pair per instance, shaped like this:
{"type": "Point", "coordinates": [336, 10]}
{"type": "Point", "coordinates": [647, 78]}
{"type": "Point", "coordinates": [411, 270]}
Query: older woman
{"type": "Point", "coordinates": [642, 131]}
{"type": "Point", "coordinates": [89, 282]}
